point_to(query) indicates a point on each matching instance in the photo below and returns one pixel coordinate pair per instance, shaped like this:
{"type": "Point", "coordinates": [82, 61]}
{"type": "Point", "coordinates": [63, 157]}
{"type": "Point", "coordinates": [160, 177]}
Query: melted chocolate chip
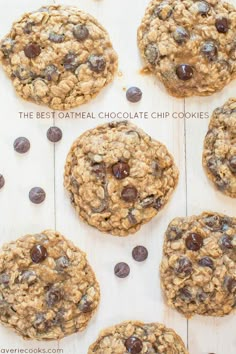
{"type": "Point", "coordinates": [37, 195]}
{"type": "Point", "coordinates": [133, 345]}
{"type": "Point", "coordinates": [40, 322]}
{"type": "Point", "coordinates": [53, 296]}
{"type": "Point", "coordinates": [21, 145]}
{"type": "Point", "coordinates": [132, 219]}
{"type": "Point", "coordinates": [54, 134]}
{"type": "Point", "coordinates": [183, 267]}
{"type": "Point", "coordinates": [100, 170]}
{"type": "Point", "coordinates": [51, 73]}
{"type": "Point", "coordinates": [185, 294]}
{"type": "Point", "coordinates": [28, 27]}
{"type": "Point", "coordinates": [152, 53]}
{"type": "Point", "coordinates": [129, 194]}
{"type": "Point", "coordinates": [70, 62]}
{"type": "Point", "coordinates": [230, 284]}
{"type": "Point", "coordinates": [62, 263]}
{"type": "Point", "coordinates": [184, 72]}
{"type": "Point", "coordinates": [163, 11]}
{"type": "Point", "coordinates": [97, 63]}
{"type": "Point", "coordinates": [56, 38]}
{"type": "Point", "coordinates": [120, 170]}
{"type": "Point", "coordinates": [134, 94]}
{"type": "Point", "coordinates": [28, 276]}
{"type": "Point", "coordinates": [181, 35]}
{"type": "Point", "coordinates": [212, 164]}
{"type": "Point", "coordinates": [194, 241]}
{"type": "Point", "coordinates": [158, 203]}
{"type": "Point", "coordinates": [80, 32]}
{"type": "Point", "coordinates": [23, 74]}
{"type": "Point", "coordinates": [157, 171]}
{"type": "Point", "coordinates": [225, 242]}
{"type": "Point", "coordinates": [201, 296]}
{"type": "Point", "coordinates": [174, 233]}
{"type": "Point", "coordinates": [32, 50]}
{"type": "Point", "coordinates": [140, 253]}
{"type": "Point", "coordinates": [209, 50]}
{"type": "Point", "coordinates": [38, 253]}
{"type": "Point", "coordinates": [7, 46]}
{"type": "Point", "coordinates": [203, 7]}
{"type": "Point", "coordinates": [206, 262]}
{"type": "Point", "coordinates": [2, 181]}
{"type": "Point", "coordinates": [122, 270]}
{"type": "Point", "coordinates": [222, 25]}
{"type": "Point", "coordinates": [232, 164]}
{"type": "Point", "coordinates": [217, 223]}
{"type": "Point", "coordinates": [148, 201]}
{"type": "Point", "coordinates": [4, 279]}
{"type": "Point", "coordinates": [84, 305]}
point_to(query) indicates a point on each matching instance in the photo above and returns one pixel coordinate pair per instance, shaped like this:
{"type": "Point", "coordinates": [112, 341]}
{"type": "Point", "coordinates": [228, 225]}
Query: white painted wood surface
{"type": "Point", "coordinates": [138, 296]}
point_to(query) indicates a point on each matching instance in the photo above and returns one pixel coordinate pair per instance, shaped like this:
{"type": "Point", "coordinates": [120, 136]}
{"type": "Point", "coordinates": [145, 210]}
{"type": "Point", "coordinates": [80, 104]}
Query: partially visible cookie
{"type": "Point", "coordinates": [198, 269]}
{"type": "Point", "coordinates": [47, 288]}
{"type": "Point", "coordinates": [119, 177]}
{"type": "Point", "coordinates": [219, 154]}
{"type": "Point", "coordinates": [189, 45]}
{"type": "Point", "coordinates": [137, 337]}
{"type": "Point", "coordinates": [58, 56]}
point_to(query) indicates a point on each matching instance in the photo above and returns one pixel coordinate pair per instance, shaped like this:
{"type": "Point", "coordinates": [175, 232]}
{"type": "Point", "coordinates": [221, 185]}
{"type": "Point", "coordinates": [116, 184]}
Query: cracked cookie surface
{"type": "Point", "coordinates": [198, 269]}
{"type": "Point", "coordinates": [189, 45]}
{"type": "Point", "coordinates": [219, 154]}
{"type": "Point", "coordinates": [119, 177]}
{"type": "Point", "coordinates": [47, 288]}
{"type": "Point", "coordinates": [58, 56]}
{"type": "Point", "coordinates": [137, 337]}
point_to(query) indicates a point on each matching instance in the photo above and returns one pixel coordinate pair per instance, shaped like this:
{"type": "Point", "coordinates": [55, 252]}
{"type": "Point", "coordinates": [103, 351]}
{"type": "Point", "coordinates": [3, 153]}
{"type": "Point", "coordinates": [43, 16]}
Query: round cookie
{"type": "Point", "coordinates": [47, 288]}
{"type": "Point", "coordinates": [137, 337]}
{"type": "Point", "coordinates": [58, 56]}
{"type": "Point", "coordinates": [118, 177]}
{"type": "Point", "coordinates": [219, 154]}
{"type": "Point", "coordinates": [198, 269]}
{"type": "Point", "coordinates": [189, 45]}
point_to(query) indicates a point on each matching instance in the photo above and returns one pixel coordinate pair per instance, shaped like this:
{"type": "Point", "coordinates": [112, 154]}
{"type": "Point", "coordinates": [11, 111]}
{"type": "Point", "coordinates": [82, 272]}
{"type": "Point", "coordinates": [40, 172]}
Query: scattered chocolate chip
{"type": "Point", "coordinates": [181, 35]}
{"type": "Point", "coordinates": [28, 27]}
{"type": "Point", "coordinates": [194, 241]}
{"type": "Point", "coordinates": [51, 73]}
{"type": "Point", "coordinates": [206, 262]}
{"type": "Point", "coordinates": [225, 242]}
{"type": "Point", "coordinates": [21, 145]}
{"type": "Point", "coordinates": [2, 181]}
{"type": "Point", "coordinates": [7, 46]}
{"type": "Point", "coordinates": [152, 53]}
{"type": "Point", "coordinates": [84, 305]}
{"type": "Point", "coordinates": [209, 50]}
{"type": "Point", "coordinates": [230, 284]}
{"type": "Point", "coordinates": [133, 345]}
{"type": "Point", "coordinates": [62, 263]}
{"type": "Point", "coordinates": [32, 50]}
{"type": "Point", "coordinates": [148, 201]}
{"type": "Point", "coordinates": [184, 72]}
{"type": "Point", "coordinates": [28, 276]}
{"type": "Point", "coordinates": [232, 164]}
{"type": "Point", "coordinates": [185, 294]}
{"type": "Point", "coordinates": [129, 193]}
{"type": "Point", "coordinates": [183, 267]}
{"type": "Point", "coordinates": [174, 233]}
{"type": "Point", "coordinates": [54, 134]}
{"type": "Point", "coordinates": [203, 7]}
{"type": "Point", "coordinates": [134, 94]}
{"type": "Point", "coordinates": [37, 195]}
{"type": "Point", "coordinates": [100, 170]}
{"type": "Point", "coordinates": [38, 253]}
{"type": "Point", "coordinates": [70, 62]}
{"type": "Point", "coordinates": [140, 253]}
{"type": "Point", "coordinates": [97, 63]}
{"type": "Point", "coordinates": [56, 38]}
{"type": "Point", "coordinates": [120, 170]}
{"type": "Point", "coordinates": [53, 296]}
{"type": "Point", "coordinates": [222, 25]}
{"type": "Point", "coordinates": [122, 270]}
{"type": "Point", "coordinates": [4, 279]}
{"type": "Point", "coordinates": [80, 32]}
{"type": "Point", "coordinates": [163, 11]}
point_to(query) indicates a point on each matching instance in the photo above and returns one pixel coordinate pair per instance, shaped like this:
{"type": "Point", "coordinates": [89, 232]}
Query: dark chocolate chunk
{"type": "Point", "coordinates": [120, 170]}
{"type": "Point", "coordinates": [184, 72]}
{"type": "Point", "coordinates": [70, 62]}
{"type": "Point", "coordinates": [163, 11]}
{"type": "Point", "coordinates": [203, 7]}
{"type": "Point", "coordinates": [194, 241]}
{"type": "Point", "coordinates": [133, 345]}
{"type": "Point", "coordinates": [225, 242]}
{"type": "Point", "coordinates": [4, 279]}
{"type": "Point", "coordinates": [129, 194]}
{"type": "Point", "coordinates": [28, 276]}
{"type": "Point", "coordinates": [32, 50]}
{"type": "Point", "coordinates": [222, 24]}
{"type": "Point", "coordinates": [38, 253]}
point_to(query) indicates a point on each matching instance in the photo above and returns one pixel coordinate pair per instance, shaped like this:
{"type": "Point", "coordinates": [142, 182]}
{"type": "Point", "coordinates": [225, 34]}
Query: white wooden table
{"type": "Point", "coordinates": [138, 296]}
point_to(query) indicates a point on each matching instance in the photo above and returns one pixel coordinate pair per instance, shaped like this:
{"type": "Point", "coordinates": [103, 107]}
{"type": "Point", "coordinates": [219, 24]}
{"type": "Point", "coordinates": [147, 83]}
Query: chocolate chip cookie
{"type": "Point", "coordinates": [137, 337]}
{"type": "Point", "coordinates": [58, 56]}
{"type": "Point", "coordinates": [219, 154]}
{"type": "Point", "coordinates": [198, 269]}
{"type": "Point", "coordinates": [118, 177]}
{"type": "Point", "coordinates": [47, 288]}
{"type": "Point", "coordinates": [189, 45]}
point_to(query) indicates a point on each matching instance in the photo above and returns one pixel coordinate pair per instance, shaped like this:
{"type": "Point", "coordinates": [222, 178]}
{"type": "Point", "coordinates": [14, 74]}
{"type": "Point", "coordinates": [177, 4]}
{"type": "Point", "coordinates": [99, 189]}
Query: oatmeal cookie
{"type": "Point", "coordinates": [190, 45]}
{"type": "Point", "coordinates": [58, 56]}
{"type": "Point", "coordinates": [137, 337]}
{"type": "Point", "coordinates": [118, 177]}
{"type": "Point", "coordinates": [198, 269]}
{"type": "Point", "coordinates": [47, 288]}
{"type": "Point", "coordinates": [219, 154]}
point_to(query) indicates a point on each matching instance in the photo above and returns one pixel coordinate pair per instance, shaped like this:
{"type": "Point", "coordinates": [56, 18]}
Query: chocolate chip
{"type": "Point", "coordinates": [158, 203]}
{"type": "Point", "coordinates": [222, 25]}
{"type": "Point", "coordinates": [129, 193]}
{"type": "Point", "coordinates": [84, 305]}
{"type": "Point", "coordinates": [53, 296]}
{"type": "Point", "coordinates": [134, 94]}
{"type": "Point", "coordinates": [38, 253]}
{"type": "Point", "coordinates": [80, 32]}
{"type": "Point", "coordinates": [133, 345]}
{"type": "Point", "coordinates": [206, 262]}
{"type": "Point", "coordinates": [140, 253]}
{"type": "Point", "coordinates": [212, 164]}
{"type": "Point", "coordinates": [185, 294]}
{"type": "Point", "coordinates": [32, 50]}
{"type": "Point", "coordinates": [232, 164]}
{"type": "Point", "coordinates": [230, 284]}
{"type": "Point", "coordinates": [4, 279]}
{"type": "Point", "coordinates": [21, 145]}
{"type": "Point", "coordinates": [147, 202]}
{"type": "Point", "coordinates": [102, 207]}
{"type": "Point", "coordinates": [225, 242]}
{"type": "Point", "coordinates": [201, 296]}
{"type": "Point", "coordinates": [28, 27]}
{"type": "Point", "coordinates": [183, 267]}
{"type": "Point", "coordinates": [122, 270]}
{"type": "Point", "coordinates": [28, 276]}
{"type": "Point", "coordinates": [163, 11]}
{"type": "Point", "coordinates": [174, 233]}
{"type": "Point", "coordinates": [2, 181]}
{"type": "Point", "coordinates": [132, 219]}
{"type": "Point", "coordinates": [62, 263]}
{"type": "Point", "coordinates": [97, 63]}
{"type": "Point", "coordinates": [152, 53]}
{"type": "Point", "coordinates": [22, 73]}
{"type": "Point", "coordinates": [184, 72]}
{"type": "Point", "coordinates": [209, 50]}
{"type": "Point", "coordinates": [100, 170]}
{"type": "Point", "coordinates": [54, 134]}
{"type": "Point", "coordinates": [40, 322]}
{"type": "Point", "coordinates": [120, 170]}
{"type": "Point", "coordinates": [37, 195]}
{"type": "Point", "coordinates": [194, 241]}
{"type": "Point", "coordinates": [181, 35]}
{"type": "Point", "coordinates": [51, 73]}
{"type": "Point", "coordinates": [56, 38]}
{"type": "Point", "coordinates": [70, 62]}
{"type": "Point", "coordinates": [217, 223]}
{"type": "Point", "coordinates": [203, 7]}
{"type": "Point", "coordinates": [7, 46]}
